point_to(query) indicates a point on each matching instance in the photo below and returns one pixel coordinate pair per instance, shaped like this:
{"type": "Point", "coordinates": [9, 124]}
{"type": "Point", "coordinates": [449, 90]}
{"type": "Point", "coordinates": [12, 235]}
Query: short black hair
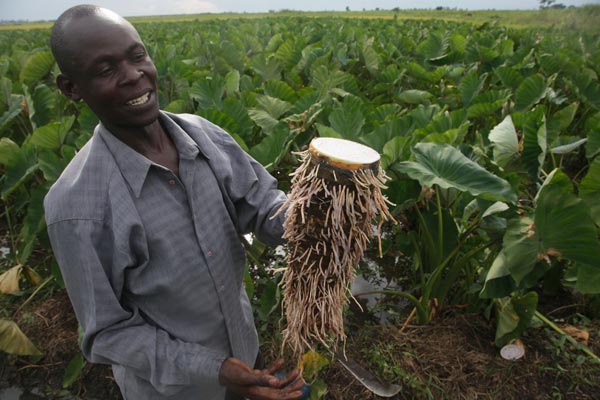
{"type": "Point", "coordinates": [58, 39]}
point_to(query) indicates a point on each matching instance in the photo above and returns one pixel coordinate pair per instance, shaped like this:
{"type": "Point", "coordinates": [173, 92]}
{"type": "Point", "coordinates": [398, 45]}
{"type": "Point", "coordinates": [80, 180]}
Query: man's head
{"type": "Point", "coordinates": [104, 62]}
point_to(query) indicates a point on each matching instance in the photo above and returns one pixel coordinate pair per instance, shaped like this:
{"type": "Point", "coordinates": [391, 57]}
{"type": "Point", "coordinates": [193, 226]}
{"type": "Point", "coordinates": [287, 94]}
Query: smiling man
{"type": "Point", "coordinates": [145, 224]}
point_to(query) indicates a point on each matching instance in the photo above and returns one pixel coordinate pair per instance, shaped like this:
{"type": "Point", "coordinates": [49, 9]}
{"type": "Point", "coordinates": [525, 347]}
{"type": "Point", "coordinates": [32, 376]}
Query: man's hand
{"type": "Point", "coordinates": [256, 384]}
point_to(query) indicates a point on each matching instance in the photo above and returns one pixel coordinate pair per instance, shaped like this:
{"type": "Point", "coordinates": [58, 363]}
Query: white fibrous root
{"type": "Point", "coordinates": [330, 215]}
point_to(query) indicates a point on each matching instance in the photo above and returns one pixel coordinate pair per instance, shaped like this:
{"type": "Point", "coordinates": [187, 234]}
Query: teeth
{"type": "Point", "coordinates": [140, 100]}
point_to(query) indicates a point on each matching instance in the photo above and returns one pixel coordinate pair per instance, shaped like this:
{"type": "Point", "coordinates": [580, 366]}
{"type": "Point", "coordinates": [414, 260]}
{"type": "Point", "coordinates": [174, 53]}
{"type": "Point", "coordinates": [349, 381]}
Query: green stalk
{"type": "Point", "coordinates": [569, 338]}
{"type": "Point", "coordinates": [438, 271]}
{"type": "Point", "coordinates": [440, 222]}
{"type": "Point", "coordinates": [424, 225]}
{"type": "Point", "coordinates": [421, 311]}
{"type": "Point", "coordinates": [419, 263]}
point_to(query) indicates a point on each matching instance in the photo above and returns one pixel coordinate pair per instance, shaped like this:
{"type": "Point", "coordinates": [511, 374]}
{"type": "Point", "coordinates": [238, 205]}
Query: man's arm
{"type": "Point", "coordinates": [253, 191]}
{"type": "Point", "coordinates": [93, 270]}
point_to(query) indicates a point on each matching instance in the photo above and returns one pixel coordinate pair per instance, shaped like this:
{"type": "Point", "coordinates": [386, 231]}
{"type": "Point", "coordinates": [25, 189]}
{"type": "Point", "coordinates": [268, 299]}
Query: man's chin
{"type": "Point", "coordinates": [138, 122]}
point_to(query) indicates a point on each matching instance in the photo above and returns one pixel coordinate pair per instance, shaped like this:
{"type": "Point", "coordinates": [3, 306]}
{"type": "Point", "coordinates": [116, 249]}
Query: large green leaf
{"type": "Point", "coordinates": [509, 77]}
{"type": "Point", "coordinates": [23, 163]}
{"type": "Point", "coordinates": [52, 136]}
{"type": "Point", "coordinates": [348, 120]}
{"type": "Point", "coordinates": [534, 143]}
{"type": "Point", "coordinates": [514, 316]}
{"type": "Point", "coordinates": [263, 119]}
{"type": "Point", "coordinates": [505, 141]}
{"type": "Point", "coordinates": [209, 92]}
{"type": "Point", "coordinates": [232, 82]}
{"type": "Point", "coordinates": [588, 279]}
{"type": "Point", "coordinates": [37, 67]}
{"type": "Point", "coordinates": [236, 110]}
{"type": "Point", "coordinates": [569, 146]}
{"type": "Point", "coordinates": [41, 109]}
{"type": "Point", "coordinates": [563, 223]}
{"type": "Point", "coordinates": [268, 68]}
{"type": "Point", "coordinates": [498, 281]}
{"type": "Point", "coordinates": [443, 165]}
{"type": "Point", "coordinates": [33, 223]}
{"type": "Point", "coordinates": [9, 152]}
{"type": "Point", "coordinates": [324, 79]}
{"type": "Point", "coordinates": [589, 89]}
{"type": "Point", "coordinates": [435, 47]}
{"type": "Point", "coordinates": [281, 90]}
{"type": "Point", "coordinates": [561, 227]}
{"type": "Point", "coordinates": [470, 87]}
{"type": "Point", "coordinates": [271, 148]}
{"type": "Point", "coordinates": [73, 370]}
{"type": "Point", "coordinates": [14, 341]}
{"type": "Point", "coordinates": [529, 92]}
{"type": "Point", "coordinates": [395, 150]}
{"type": "Point", "coordinates": [272, 105]}
{"type": "Point", "coordinates": [592, 130]}
{"type": "Point", "coordinates": [14, 109]}
{"type": "Point", "coordinates": [561, 120]}
{"type": "Point", "coordinates": [589, 190]}
{"type": "Point", "coordinates": [370, 58]}
{"type": "Point", "coordinates": [519, 253]}
{"type": "Point", "coordinates": [51, 164]}
{"type": "Point", "coordinates": [414, 96]}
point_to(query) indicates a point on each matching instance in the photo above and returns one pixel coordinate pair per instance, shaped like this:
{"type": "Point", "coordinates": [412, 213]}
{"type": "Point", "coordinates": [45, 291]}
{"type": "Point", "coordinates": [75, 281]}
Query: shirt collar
{"type": "Point", "coordinates": [133, 165]}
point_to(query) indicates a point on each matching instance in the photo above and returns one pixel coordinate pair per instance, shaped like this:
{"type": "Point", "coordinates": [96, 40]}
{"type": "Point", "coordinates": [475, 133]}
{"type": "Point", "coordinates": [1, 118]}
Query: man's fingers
{"type": "Point", "coordinates": [274, 367]}
{"type": "Point", "coordinates": [286, 380]}
{"type": "Point", "coordinates": [266, 393]}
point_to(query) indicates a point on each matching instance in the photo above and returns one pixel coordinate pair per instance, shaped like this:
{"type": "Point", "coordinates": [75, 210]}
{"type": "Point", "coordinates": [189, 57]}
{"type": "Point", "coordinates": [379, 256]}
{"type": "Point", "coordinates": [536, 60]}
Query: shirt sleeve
{"type": "Point", "coordinates": [254, 194]}
{"type": "Point", "coordinates": [93, 270]}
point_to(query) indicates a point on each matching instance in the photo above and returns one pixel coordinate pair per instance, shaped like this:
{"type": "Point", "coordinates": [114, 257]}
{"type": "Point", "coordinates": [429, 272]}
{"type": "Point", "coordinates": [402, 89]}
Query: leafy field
{"type": "Point", "coordinates": [490, 136]}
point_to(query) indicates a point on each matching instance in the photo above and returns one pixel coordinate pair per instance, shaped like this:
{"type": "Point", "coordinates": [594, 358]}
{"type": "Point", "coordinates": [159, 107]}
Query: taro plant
{"type": "Point", "coordinates": [445, 225]}
{"type": "Point", "coordinates": [553, 240]}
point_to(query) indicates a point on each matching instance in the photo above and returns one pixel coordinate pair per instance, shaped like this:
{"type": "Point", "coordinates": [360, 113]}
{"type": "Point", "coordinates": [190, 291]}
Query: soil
{"type": "Point", "coordinates": [452, 358]}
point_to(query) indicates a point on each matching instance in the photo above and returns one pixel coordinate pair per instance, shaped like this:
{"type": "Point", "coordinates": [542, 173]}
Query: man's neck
{"type": "Point", "coordinates": [151, 141]}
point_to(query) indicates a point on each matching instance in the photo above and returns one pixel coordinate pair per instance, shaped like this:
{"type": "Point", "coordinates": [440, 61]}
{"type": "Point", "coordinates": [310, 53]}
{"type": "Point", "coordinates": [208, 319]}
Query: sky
{"type": "Point", "coordinates": [34, 10]}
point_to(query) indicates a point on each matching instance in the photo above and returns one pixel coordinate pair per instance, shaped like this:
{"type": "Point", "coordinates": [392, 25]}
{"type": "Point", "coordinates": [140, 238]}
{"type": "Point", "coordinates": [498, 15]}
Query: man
{"type": "Point", "coordinates": [145, 224]}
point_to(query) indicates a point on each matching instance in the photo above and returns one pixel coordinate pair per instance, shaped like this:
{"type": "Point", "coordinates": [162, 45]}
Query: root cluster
{"type": "Point", "coordinates": [330, 216]}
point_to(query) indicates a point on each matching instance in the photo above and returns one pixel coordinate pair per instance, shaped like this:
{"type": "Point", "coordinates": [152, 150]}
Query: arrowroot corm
{"type": "Point", "coordinates": [330, 217]}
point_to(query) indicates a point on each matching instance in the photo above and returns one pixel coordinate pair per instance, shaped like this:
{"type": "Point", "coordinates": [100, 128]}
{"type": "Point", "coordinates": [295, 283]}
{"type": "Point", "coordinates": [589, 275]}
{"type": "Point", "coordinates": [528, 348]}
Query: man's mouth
{"type": "Point", "coordinates": [143, 99]}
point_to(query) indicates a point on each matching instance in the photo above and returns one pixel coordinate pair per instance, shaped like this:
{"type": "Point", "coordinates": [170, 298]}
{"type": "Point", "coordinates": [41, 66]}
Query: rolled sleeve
{"type": "Point", "coordinates": [254, 194]}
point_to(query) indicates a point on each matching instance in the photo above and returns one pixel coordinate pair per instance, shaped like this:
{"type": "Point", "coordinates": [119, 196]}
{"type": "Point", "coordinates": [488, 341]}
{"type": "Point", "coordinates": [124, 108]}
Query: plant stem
{"type": "Point", "coordinates": [440, 223]}
{"type": "Point", "coordinates": [569, 338]}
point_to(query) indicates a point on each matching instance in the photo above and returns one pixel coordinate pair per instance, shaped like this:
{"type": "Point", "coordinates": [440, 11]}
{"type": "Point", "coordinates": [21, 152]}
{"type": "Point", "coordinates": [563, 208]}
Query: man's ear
{"type": "Point", "coordinates": [68, 87]}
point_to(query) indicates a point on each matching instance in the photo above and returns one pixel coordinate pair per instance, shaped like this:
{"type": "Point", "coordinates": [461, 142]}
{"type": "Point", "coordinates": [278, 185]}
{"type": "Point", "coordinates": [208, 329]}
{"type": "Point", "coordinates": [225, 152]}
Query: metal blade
{"type": "Point", "coordinates": [367, 379]}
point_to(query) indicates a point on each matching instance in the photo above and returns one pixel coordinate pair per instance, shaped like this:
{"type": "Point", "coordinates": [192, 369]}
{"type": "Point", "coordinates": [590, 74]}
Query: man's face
{"type": "Point", "coordinates": [112, 72]}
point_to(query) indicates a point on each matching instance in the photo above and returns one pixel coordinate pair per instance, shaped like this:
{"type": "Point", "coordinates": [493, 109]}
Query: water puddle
{"type": "Point", "coordinates": [372, 283]}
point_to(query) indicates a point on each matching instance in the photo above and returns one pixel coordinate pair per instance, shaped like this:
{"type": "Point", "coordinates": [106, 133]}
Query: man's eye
{"type": "Point", "coordinates": [139, 56]}
{"type": "Point", "coordinates": [105, 72]}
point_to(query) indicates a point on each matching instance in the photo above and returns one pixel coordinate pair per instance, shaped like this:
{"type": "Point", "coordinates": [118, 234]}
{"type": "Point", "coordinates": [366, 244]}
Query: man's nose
{"type": "Point", "coordinates": [131, 74]}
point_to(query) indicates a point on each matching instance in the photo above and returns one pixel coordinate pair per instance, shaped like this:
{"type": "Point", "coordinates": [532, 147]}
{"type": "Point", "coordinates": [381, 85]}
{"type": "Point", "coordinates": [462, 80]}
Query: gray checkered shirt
{"type": "Point", "coordinates": [153, 263]}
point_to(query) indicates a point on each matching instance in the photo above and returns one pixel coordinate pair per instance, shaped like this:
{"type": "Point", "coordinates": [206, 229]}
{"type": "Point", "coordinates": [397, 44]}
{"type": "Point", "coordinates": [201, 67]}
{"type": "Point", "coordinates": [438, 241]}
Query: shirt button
{"type": "Point", "coordinates": [221, 288]}
{"type": "Point", "coordinates": [171, 182]}
{"type": "Point", "coordinates": [209, 253]}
